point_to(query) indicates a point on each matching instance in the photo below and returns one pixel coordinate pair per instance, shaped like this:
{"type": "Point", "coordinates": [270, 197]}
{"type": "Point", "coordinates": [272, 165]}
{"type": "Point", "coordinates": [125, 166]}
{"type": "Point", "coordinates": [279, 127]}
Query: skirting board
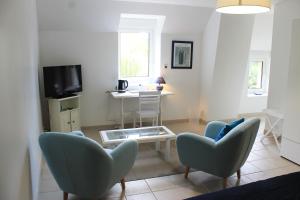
{"type": "Point", "coordinates": [257, 114]}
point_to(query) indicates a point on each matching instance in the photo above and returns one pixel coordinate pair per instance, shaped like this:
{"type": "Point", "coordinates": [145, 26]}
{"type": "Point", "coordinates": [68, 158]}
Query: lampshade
{"type": "Point", "coordinates": [160, 80]}
{"type": "Point", "coordinates": [243, 6]}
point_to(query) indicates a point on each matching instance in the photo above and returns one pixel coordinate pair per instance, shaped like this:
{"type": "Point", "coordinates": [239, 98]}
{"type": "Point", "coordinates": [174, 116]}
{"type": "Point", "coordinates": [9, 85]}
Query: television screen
{"type": "Point", "coordinates": [62, 81]}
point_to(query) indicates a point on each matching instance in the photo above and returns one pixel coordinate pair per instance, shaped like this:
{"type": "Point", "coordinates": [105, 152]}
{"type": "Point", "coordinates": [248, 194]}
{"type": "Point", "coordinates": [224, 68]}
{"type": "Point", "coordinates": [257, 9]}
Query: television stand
{"type": "Point", "coordinates": [65, 96]}
{"type": "Point", "coordinates": [64, 114]}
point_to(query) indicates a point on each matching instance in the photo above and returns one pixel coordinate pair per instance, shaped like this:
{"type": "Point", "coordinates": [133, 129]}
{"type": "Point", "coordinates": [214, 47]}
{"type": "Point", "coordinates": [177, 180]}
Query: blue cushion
{"type": "Point", "coordinates": [228, 128]}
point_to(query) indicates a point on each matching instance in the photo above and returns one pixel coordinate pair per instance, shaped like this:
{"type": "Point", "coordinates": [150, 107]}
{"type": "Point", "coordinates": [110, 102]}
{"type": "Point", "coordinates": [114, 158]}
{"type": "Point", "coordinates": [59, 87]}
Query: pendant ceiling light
{"type": "Point", "coordinates": [243, 6]}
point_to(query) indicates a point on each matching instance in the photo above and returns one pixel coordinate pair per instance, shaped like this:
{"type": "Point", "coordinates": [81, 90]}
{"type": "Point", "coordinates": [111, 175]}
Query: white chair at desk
{"type": "Point", "coordinates": [149, 107]}
{"type": "Point", "coordinates": [133, 95]}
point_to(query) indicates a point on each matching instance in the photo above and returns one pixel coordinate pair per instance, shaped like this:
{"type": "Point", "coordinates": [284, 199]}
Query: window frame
{"type": "Point", "coordinates": [262, 73]}
{"type": "Point", "coordinates": [137, 80]}
{"type": "Point", "coordinates": [265, 59]}
{"type": "Point", "coordinates": [149, 53]}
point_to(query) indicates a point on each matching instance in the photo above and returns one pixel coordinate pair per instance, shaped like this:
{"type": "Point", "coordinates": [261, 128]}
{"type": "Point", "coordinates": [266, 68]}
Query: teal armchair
{"type": "Point", "coordinates": [222, 158]}
{"type": "Point", "coordinates": [82, 167]}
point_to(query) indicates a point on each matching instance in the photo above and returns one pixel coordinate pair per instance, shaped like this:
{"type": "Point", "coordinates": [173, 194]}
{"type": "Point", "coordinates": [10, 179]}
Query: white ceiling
{"type": "Point", "coordinates": [199, 3]}
{"type": "Point", "coordinates": [104, 15]}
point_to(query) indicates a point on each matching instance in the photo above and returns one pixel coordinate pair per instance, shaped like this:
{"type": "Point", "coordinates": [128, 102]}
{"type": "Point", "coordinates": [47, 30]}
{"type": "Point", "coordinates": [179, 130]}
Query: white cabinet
{"type": "Point", "coordinates": [64, 114]}
{"type": "Point", "coordinates": [75, 123]}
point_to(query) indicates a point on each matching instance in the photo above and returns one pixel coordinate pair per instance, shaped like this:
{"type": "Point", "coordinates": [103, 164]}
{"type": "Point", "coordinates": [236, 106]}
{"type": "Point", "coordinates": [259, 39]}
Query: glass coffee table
{"type": "Point", "coordinates": [142, 135]}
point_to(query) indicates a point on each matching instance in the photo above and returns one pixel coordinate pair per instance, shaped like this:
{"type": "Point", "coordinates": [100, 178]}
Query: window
{"type": "Point", "coordinates": [258, 73]}
{"type": "Point", "coordinates": [255, 79]}
{"type": "Point", "coordinates": [139, 48]}
{"type": "Point", "coordinates": [134, 54]}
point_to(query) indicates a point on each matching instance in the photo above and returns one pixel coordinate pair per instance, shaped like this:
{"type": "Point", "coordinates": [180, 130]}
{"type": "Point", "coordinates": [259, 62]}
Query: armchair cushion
{"type": "Point", "coordinates": [228, 128]}
{"type": "Point", "coordinates": [213, 128]}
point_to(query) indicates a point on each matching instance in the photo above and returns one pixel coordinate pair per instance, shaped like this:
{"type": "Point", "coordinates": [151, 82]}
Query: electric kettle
{"type": "Point", "coordinates": [122, 85]}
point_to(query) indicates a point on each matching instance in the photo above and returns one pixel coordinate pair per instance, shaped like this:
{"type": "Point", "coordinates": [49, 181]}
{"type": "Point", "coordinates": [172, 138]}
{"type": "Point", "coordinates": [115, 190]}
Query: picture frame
{"type": "Point", "coordinates": [182, 54]}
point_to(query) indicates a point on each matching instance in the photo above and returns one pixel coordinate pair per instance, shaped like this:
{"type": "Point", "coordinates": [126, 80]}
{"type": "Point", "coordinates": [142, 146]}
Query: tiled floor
{"type": "Point", "coordinates": [263, 162]}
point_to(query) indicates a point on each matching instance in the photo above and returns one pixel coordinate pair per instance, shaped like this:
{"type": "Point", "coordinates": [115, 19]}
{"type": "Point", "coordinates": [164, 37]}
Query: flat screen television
{"type": "Point", "coordinates": [62, 81]}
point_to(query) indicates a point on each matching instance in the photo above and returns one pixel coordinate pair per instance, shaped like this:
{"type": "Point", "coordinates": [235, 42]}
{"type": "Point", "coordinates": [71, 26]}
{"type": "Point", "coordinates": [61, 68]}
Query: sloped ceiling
{"type": "Point", "coordinates": [200, 3]}
{"type": "Point", "coordinates": [104, 15]}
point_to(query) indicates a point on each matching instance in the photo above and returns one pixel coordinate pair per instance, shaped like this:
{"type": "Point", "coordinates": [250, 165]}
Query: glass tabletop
{"type": "Point", "coordinates": [136, 133]}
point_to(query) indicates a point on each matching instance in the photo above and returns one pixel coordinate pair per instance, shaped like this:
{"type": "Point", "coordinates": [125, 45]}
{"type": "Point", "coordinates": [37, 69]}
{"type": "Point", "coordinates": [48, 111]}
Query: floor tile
{"type": "Point", "coordinates": [253, 156]}
{"type": "Point", "coordinates": [268, 152]}
{"type": "Point", "coordinates": [46, 174]}
{"type": "Point", "coordinates": [234, 181]}
{"type": "Point", "coordinates": [145, 196]}
{"type": "Point", "coordinates": [116, 191]}
{"type": "Point", "coordinates": [48, 185]}
{"type": "Point", "coordinates": [166, 182]}
{"type": "Point", "coordinates": [137, 187]}
{"type": "Point", "coordinates": [51, 196]}
{"type": "Point", "coordinates": [270, 163]}
{"type": "Point", "coordinates": [199, 177]}
{"type": "Point", "coordinates": [59, 196]}
{"type": "Point", "coordinates": [111, 198]}
{"type": "Point", "coordinates": [248, 168]}
{"type": "Point", "coordinates": [176, 193]}
{"type": "Point", "coordinates": [256, 176]}
{"type": "Point", "coordinates": [216, 185]}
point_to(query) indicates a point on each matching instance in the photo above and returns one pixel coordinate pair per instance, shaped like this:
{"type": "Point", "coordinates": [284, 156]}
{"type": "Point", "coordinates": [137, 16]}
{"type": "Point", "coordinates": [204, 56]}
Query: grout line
{"type": "Point", "coordinates": [141, 192]}
{"type": "Point", "coordinates": [148, 185]}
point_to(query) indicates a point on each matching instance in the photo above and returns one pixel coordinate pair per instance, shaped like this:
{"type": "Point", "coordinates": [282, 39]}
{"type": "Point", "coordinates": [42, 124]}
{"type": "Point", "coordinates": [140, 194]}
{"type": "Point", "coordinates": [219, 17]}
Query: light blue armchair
{"type": "Point", "coordinates": [82, 167]}
{"type": "Point", "coordinates": [222, 158]}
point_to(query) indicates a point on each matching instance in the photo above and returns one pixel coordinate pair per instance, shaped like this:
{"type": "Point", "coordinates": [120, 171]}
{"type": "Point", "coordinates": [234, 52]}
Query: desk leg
{"type": "Point", "coordinates": [122, 113]}
{"type": "Point", "coordinates": [160, 115]}
{"type": "Point", "coordinates": [168, 149]}
{"type": "Point", "coordinates": [157, 145]}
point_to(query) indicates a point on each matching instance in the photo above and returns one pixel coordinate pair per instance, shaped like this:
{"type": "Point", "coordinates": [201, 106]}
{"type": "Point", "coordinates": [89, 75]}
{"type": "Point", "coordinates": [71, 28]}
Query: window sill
{"type": "Point", "coordinates": [257, 95]}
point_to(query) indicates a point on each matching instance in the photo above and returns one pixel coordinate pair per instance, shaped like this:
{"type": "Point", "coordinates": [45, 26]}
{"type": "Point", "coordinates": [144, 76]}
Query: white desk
{"type": "Point", "coordinates": [134, 94]}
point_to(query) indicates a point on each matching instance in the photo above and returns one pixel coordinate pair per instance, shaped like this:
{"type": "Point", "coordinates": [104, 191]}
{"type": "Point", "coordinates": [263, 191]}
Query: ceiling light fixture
{"type": "Point", "coordinates": [243, 6]}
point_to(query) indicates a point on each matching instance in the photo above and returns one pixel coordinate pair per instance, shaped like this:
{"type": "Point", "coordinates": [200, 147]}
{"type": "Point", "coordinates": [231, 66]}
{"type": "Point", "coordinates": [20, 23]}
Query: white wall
{"type": "Point", "coordinates": [251, 103]}
{"type": "Point", "coordinates": [284, 13]}
{"type": "Point", "coordinates": [230, 66]}
{"type": "Point", "coordinates": [291, 134]}
{"type": "Point", "coordinates": [183, 82]}
{"type": "Point", "coordinates": [20, 108]}
{"type": "Point", "coordinates": [261, 44]}
{"type": "Point", "coordinates": [208, 56]}
{"type": "Point", "coordinates": [284, 79]}
{"type": "Point", "coordinates": [98, 54]}
{"type": "Point", "coordinates": [262, 32]}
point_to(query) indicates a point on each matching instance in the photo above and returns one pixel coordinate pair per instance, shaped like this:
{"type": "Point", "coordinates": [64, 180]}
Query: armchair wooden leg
{"type": "Point", "coordinates": [224, 183]}
{"type": "Point", "coordinates": [238, 173]}
{"type": "Point", "coordinates": [65, 196]}
{"type": "Point", "coordinates": [123, 183]}
{"type": "Point", "coordinates": [187, 170]}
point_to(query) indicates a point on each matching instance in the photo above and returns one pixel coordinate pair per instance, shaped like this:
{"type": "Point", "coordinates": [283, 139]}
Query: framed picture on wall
{"type": "Point", "coordinates": [182, 54]}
